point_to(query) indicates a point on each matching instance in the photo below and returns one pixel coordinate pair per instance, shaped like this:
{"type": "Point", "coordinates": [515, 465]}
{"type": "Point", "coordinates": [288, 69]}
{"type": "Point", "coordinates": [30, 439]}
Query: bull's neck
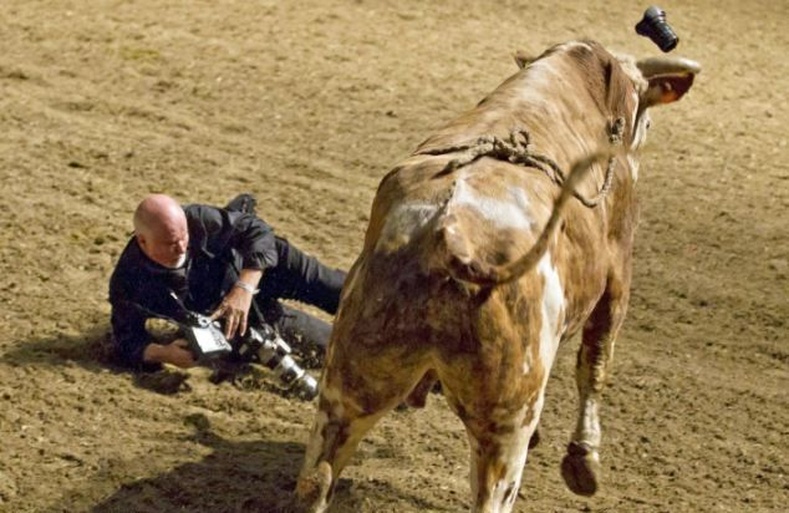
{"type": "Point", "coordinates": [562, 121]}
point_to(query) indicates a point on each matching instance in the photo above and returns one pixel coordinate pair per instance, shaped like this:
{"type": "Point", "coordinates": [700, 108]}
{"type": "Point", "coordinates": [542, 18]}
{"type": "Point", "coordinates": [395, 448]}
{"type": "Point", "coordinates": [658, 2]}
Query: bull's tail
{"type": "Point", "coordinates": [466, 269]}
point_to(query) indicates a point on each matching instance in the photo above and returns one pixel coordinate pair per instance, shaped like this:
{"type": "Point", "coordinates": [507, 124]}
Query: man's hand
{"type": "Point", "coordinates": [176, 353]}
{"type": "Point", "coordinates": [235, 306]}
{"type": "Point", "coordinates": [234, 309]}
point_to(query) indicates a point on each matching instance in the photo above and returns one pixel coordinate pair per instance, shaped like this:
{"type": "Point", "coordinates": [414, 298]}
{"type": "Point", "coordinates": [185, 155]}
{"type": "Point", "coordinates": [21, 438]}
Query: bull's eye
{"type": "Point", "coordinates": [648, 124]}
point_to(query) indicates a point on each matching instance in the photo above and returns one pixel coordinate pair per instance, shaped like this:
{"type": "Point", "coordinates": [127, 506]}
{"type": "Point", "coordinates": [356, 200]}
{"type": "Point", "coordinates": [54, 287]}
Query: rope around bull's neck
{"type": "Point", "coordinates": [517, 150]}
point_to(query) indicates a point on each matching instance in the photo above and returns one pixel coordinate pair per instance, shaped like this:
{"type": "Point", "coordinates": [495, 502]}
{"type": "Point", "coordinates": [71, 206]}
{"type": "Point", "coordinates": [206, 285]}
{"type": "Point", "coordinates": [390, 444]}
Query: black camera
{"type": "Point", "coordinates": [260, 344]}
{"type": "Point", "coordinates": [654, 26]}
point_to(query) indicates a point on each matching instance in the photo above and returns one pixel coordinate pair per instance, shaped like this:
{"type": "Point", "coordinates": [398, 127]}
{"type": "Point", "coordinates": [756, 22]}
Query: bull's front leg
{"type": "Point", "coordinates": [316, 479]}
{"type": "Point", "coordinates": [357, 389]}
{"type": "Point", "coordinates": [581, 466]}
{"type": "Point", "coordinates": [337, 430]}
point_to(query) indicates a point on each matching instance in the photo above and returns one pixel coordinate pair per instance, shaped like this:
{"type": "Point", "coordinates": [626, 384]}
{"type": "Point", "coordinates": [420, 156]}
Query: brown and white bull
{"type": "Point", "coordinates": [483, 253]}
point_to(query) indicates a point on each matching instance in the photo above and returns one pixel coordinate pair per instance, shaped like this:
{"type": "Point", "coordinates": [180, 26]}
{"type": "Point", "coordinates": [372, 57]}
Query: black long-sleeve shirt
{"type": "Point", "coordinates": [221, 243]}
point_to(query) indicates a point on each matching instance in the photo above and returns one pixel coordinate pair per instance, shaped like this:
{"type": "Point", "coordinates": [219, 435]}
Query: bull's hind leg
{"type": "Point", "coordinates": [498, 438]}
{"type": "Point", "coordinates": [500, 408]}
{"type": "Point", "coordinates": [356, 391]}
{"type": "Point", "coordinates": [581, 465]}
{"type": "Point", "coordinates": [497, 461]}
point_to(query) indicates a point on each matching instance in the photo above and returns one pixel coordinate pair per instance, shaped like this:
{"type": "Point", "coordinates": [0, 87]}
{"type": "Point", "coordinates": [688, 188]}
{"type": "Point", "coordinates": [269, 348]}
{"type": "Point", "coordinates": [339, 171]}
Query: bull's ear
{"type": "Point", "coordinates": [669, 79]}
{"type": "Point", "coordinates": [522, 59]}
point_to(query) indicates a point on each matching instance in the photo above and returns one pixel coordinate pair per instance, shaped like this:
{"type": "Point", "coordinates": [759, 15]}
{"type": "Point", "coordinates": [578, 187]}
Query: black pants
{"type": "Point", "coordinates": [300, 277]}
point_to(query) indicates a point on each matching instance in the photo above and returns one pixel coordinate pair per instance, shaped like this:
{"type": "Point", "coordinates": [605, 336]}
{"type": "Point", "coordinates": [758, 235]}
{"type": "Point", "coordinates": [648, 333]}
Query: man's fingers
{"type": "Point", "coordinates": [235, 316]}
{"type": "Point", "coordinates": [242, 325]}
{"type": "Point", "coordinates": [236, 322]}
{"type": "Point", "coordinates": [219, 312]}
{"type": "Point", "coordinates": [230, 325]}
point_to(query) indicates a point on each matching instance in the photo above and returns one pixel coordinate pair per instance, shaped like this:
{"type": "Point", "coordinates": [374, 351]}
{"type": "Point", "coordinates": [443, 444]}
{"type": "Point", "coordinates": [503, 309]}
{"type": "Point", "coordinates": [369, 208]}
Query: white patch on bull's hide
{"type": "Point", "coordinates": [588, 430]}
{"type": "Point", "coordinates": [542, 76]}
{"type": "Point", "coordinates": [543, 73]}
{"type": "Point", "coordinates": [512, 453]}
{"type": "Point", "coordinates": [508, 212]}
{"type": "Point", "coordinates": [633, 128]}
{"type": "Point", "coordinates": [552, 310]}
{"type": "Point", "coordinates": [473, 446]}
{"type": "Point", "coordinates": [527, 362]}
{"type": "Point", "coordinates": [575, 44]}
{"type": "Point", "coordinates": [633, 163]}
{"type": "Point", "coordinates": [333, 395]}
{"type": "Point", "coordinates": [315, 444]}
{"type": "Point", "coordinates": [403, 222]}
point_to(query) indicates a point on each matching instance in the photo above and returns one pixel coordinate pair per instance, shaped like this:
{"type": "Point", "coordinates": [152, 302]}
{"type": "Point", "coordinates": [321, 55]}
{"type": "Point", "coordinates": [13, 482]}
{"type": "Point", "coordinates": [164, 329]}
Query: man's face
{"type": "Point", "coordinates": [167, 245]}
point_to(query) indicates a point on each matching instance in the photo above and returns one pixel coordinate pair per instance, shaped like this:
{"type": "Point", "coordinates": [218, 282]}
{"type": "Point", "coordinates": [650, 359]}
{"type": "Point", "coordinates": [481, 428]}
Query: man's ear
{"type": "Point", "coordinates": [668, 78]}
{"type": "Point", "coordinates": [141, 240]}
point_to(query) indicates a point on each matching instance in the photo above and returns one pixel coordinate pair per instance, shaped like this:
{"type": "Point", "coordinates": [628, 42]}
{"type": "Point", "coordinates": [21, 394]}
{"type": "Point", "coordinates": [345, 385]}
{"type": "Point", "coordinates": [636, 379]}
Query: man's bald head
{"type": "Point", "coordinates": [161, 230]}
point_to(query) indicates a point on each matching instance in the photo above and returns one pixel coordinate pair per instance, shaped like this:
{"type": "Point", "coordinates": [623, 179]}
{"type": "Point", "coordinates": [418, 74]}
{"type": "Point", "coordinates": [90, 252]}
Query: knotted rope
{"type": "Point", "coordinates": [517, 150]}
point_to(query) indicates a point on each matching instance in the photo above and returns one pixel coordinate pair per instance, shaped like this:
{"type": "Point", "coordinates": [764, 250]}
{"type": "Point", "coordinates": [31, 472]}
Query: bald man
{"type": "Point", "coordinates": [213, 261]}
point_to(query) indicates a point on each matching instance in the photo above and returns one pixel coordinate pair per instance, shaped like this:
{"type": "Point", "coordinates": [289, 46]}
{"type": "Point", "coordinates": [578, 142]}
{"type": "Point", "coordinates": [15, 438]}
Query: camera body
{"type": "Point", "coordinates": [260, 344]}
{"type": "Point", "coordinates": [205, 338]}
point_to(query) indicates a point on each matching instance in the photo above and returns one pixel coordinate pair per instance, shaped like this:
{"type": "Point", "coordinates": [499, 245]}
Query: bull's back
{"type": "Point", "coordinates": [489, 211]}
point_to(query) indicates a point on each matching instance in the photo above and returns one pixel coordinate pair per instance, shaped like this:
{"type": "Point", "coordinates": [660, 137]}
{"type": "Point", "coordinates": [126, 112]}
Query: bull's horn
{"type": "Point", "coordinates": [656, 66]}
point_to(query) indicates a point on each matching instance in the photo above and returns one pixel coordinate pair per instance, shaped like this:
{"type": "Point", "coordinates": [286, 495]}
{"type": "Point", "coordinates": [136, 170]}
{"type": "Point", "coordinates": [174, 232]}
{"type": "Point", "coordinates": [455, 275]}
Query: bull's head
{"type": "Point", "coordinates": [658, 80]}
{"type": "Point", "coordinates": [655, 81]}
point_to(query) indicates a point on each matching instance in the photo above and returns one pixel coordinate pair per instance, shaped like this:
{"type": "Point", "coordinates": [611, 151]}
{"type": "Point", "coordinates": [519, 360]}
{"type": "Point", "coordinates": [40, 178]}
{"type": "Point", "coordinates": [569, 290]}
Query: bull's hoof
{"type": "Point", "coordinates": [312, 490]}
{"type": "Point", "coordinates": [581, 469]}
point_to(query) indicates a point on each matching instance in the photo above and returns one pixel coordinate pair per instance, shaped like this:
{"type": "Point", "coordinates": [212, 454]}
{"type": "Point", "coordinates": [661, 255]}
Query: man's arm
{"type": "Point", "coordinates": [176, 353]}
{"type": "Point", "coordinates": [253, 239]}
{"type": "Point", "coordinates": [134, 345]}
{"type": "Point", "coordinates": [247, 234]}
{"type": "Point", "coordinates": [235, 305]}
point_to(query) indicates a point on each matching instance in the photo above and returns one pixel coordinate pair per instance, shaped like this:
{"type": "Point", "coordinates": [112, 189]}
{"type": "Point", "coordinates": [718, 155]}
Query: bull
{"type": "Point", "coordinates": [505, 233]}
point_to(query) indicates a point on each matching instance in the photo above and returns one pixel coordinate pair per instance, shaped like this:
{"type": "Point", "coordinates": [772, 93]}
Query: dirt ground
{"type": "Point", "coordinates": [307, 104]}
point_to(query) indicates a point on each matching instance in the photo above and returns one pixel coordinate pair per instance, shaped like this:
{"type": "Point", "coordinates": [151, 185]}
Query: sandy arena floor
{"type": "Point", "coordinates": [307, 104]}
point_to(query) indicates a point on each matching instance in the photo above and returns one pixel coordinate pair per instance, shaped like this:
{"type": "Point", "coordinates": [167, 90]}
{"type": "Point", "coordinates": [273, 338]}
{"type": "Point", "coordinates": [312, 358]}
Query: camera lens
{"type": "Point", "coordinates": [288, 371]}
{"type": "Point", "coordinates": [654, 26]}
{"type": "Point", "coordinates": [307, 387]}
{"type": "Point", "coordinates": [274, 353]}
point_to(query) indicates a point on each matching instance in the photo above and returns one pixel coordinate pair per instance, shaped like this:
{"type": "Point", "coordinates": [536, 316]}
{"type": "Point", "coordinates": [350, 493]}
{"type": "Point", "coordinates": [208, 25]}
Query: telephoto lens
{"type": "Point", "coordinates": [274, 353]}
{"type": "Point", "coordinates": [654, 26]}
{"type": "Point", "coordinates": [296, 378]}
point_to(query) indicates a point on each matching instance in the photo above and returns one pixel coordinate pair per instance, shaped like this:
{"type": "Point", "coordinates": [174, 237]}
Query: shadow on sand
{"type": "Point", "coordinates": [92, 352]}
{"type": "Point", "coordinates": [237, 477]}
{"type": "Point", "coordinates": [89, 350]}
{"type": "Point", "coordinates": [248, 476]}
